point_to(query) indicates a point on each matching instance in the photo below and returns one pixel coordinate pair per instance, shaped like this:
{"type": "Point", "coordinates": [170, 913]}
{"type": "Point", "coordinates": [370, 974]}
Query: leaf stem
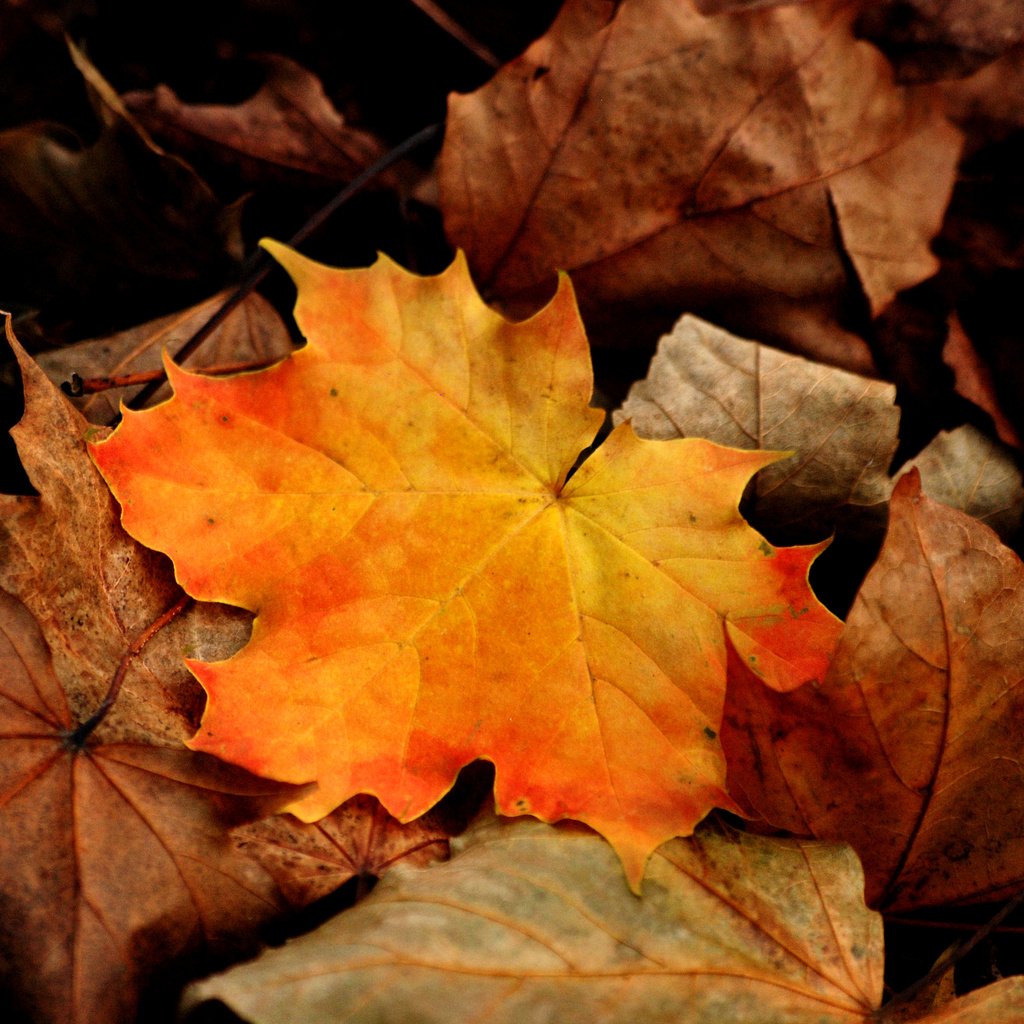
{"type": "Point", "coordinates": [78, 386]}
{"type": "Point", "coordinates": [258, 265]}
{"type": "Point", "coordinates": [76, 738]}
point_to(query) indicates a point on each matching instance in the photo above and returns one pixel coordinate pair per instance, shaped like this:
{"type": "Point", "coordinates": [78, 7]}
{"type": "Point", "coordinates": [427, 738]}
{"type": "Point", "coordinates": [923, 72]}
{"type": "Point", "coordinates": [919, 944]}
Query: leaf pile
{"type": "Point", "coordinates": [443, 550]}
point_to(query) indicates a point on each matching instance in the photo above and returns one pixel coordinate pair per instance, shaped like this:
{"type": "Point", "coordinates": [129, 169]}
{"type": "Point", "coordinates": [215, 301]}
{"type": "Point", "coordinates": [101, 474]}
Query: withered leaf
{"type": "Point", "coordinates": [359, 838]}
{"type": "Point", "coordinates": [114, 857]}
{"type": "Point", "coordinates": [252, 332]}
{"type": "Point", "coordinates": [759, 167]}
{"type": "Point", "coordinates": [842, 429]}
{"type": "Point", "coordinates": [526, 923]}
{"type": "Point", "coordinates": [287, 132]}
{"type": "Point", "coordinates": [118, 218]}
{"type": "Point", "coordinates": [909, 750]}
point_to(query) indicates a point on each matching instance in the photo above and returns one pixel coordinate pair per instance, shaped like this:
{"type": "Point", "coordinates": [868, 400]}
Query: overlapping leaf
{"type": "Point", "coordinates": [738, 165]}
{"type": "Point", "coordinates": [393, 502]}
{"type": "Point", "coordinates": [524, 924]}
{"type": "Point", "coordinates": [112, 219]}
{"type": "Point", "coordinates": [115, 852]}
{"type": "Point", "coordinates": [288, 130]}
{"type": "Point", "coordinates": [910, 750]}
{"type": "Point", "coordinates": [842, 428]}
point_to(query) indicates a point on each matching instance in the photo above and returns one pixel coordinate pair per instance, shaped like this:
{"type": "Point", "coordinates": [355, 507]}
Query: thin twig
{"type": "Point", "coordinates": [258, 265]}
{"type": "Point", "coordinates": [75, 739]}
{"type": "Point", "coordinates": [448, 24]}
{"type": "Point", "coordinates": [78, 386]}
{"type": "Point", "coordinates": [960, 950]}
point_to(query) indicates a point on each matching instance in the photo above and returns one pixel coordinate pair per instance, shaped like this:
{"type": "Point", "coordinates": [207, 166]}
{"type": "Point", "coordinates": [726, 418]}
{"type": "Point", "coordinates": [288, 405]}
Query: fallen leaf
{"type": "Point", "coordinates": [288, 132]}
{"type": "Point", "coordinates": [929, 40]}
{"type": "Point", "coordinates": [384, 498]}
{"type": "Point", "coordinates": [526, 923]}
{"type": "Point", "coordinates": [92, 588]}
{"type": "Point", "coordinates": [843, 429]}
{"type": "Point", "coordinates": [86, 590]}
{"type": "Point", "coordinates": [118, 218]}
{"type": "Point", "coordinates": [986, 106]}
{"type": "Point", "coordinates": [252, 332]}
{"type": "Point", "coordinates": [761, 168]}
{"type": "Point", "coordinates": [115, 856]}
{"type": "Point", "coordinates": [909, 750]}
{"type": "Point", "coordinates": [358, 839]}
{"type": "Point", "coordinates": [974, 380]}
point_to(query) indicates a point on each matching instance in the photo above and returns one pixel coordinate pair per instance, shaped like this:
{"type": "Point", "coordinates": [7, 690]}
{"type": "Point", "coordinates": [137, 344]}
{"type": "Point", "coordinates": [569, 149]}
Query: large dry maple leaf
{"type": "Point", "coordinates": [760, 166]}
{"type": "Point", "coordinates": [394, 502]}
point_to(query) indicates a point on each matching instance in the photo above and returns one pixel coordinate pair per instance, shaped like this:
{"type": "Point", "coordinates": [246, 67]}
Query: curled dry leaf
{"type": "Point", "coordinates": [526, 923]}
{"type": "Point", "coordinates": [385, 496]}
{"type": "Point", "coordinates": [288, 130]}
{"type": "Point", "coordinates": [917, 725]}
{"type": "Point", "coordinates": [736, 165]}
{"type": "Point", "coordinates": [148, 220]}
{"type": "Point", "coordinates": [974, 380]}
{"type": "Point", "coordinates": [842, 429]}
{"type": "Point", "coordinates": [253, 332]}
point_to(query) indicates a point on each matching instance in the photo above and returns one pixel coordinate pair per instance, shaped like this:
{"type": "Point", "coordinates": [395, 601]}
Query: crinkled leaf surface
{"type": "Point", "coordinates": [842, 428]}
{"type": "Point", "coordinates": [358, 838]}
{"type": "Point", "coordinates": [759, 166]}
{"type": "Point", "coordinates": [527, 923]}
{"type": "Point", "coordinates": [392, 501]}
{"type": "Point", "coordinates": [115, 858]}
{"type": "Point", "coordinates": [910, 750]}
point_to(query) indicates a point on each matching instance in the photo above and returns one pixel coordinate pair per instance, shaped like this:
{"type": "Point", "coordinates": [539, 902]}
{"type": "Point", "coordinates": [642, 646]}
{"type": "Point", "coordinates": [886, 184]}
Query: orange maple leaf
{"type": "Point", "coordinates": [394, 502]}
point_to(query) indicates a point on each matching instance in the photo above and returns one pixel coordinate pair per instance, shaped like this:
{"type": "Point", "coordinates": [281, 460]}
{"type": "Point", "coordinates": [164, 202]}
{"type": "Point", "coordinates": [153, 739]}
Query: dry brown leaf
{"type": "Point", "coordinates": [974, 380]}
{"type": "Point", "coordinates": [253, 332]}
{"type": "Point", "coordinates": [910, 749]}
{"type": "Point", "coordinates": [359, 838]}
{"type": "Point", "coordinates": [287, 132]}
{"type": "Point", "coordinates": [115, 856]}
{"type": "Point", "coordinates": [526, 923]}
{"type": "Point", "coordinates": [928, 40]}
{"type": "Point", "coordinates": [92, 588]}
{"type": "Point", "coordinates": [842, 428]}
{"type": "Point", "coordinates": [118, 219]}
{"type": "Point", "coordinates": [735, 165]}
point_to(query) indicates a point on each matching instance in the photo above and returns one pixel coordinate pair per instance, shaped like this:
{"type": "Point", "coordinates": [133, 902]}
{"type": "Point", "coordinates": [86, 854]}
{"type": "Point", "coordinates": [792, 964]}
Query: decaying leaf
{"type": "Point", "coordinates": [735, 165]}
{"type": "Point", "coordinates": [357, 839]}
{"type": "Point", "coordinates": [910, 749]}
{"type": "Point", "coordinates": [842, 428]}
{"type": "Point", "coordinates": [111, 219]}
{"type": "Point", "coordinates": [289, 129]}
{"type": "Point", "coordinates": [526, 923]}
{"type": "Point", "coordinates": [252, 332]}
{"type": "Point", "coordinates": [92, 588]}
{"type": "Point", "coordinates": [928, 40]}
{"type": "Point", "coordinates": [115, 856]}
{"type": "Point", "coordinates": [393, 502]}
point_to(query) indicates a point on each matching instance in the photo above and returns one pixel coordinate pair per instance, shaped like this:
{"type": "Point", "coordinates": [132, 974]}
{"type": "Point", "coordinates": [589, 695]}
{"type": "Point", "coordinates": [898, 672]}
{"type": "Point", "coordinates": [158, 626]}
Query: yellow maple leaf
{"type": "Point", "coordinates": [394, 501]}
